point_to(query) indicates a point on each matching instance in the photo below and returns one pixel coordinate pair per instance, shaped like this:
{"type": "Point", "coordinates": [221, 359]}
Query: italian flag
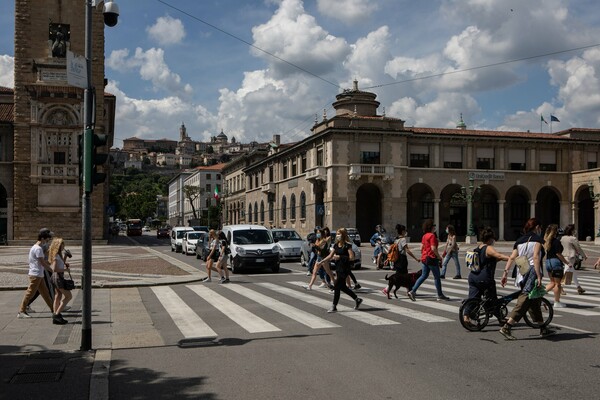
{"type": "Point", "coordinates": [216, 194]}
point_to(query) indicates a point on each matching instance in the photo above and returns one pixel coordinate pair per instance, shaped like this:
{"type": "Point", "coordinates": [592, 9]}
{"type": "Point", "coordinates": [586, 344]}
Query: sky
{"type": "Point", "coordinates": [257, 68]}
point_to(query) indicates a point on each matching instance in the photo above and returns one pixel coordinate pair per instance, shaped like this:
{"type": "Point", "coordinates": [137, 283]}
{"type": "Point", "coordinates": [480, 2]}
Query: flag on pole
{"type": "Point", "coordinates": [216, 194]}
{"type": "Point", "coordinates": [554, 119]}
{"type": "Point", "coordinates": [543, 120]}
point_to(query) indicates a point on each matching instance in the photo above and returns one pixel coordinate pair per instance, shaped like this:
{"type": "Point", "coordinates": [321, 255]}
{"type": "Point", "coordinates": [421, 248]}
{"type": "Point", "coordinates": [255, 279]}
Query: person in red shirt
{"type": "Point", "coordinates": [430, 261]}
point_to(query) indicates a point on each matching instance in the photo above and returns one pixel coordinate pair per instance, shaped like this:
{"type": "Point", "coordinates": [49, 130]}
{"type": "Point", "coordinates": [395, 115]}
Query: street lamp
{"type": "Point", "coordinates": [111, 14]}
{"type": "Point", "coordinates": [468, 196]}
{"type": "Point", "coordinates": [595, 198]}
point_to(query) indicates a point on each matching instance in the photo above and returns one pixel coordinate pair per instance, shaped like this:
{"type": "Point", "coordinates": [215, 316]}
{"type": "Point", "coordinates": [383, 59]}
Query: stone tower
{"type": "Point", "coordinates": [48, 118]}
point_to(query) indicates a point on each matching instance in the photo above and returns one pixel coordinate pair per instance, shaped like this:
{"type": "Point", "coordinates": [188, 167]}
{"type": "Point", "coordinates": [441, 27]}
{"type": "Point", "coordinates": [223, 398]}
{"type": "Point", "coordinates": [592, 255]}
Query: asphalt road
{"type": "Point", "coordinates": [418, 351]}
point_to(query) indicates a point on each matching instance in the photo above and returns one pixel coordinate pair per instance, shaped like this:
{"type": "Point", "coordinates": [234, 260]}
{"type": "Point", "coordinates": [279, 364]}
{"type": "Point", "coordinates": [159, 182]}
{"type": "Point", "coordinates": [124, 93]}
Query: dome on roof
{"type": "Point", "coordinates": [461, 124]}
{"type": "Point", "coordinates": [222, 137]}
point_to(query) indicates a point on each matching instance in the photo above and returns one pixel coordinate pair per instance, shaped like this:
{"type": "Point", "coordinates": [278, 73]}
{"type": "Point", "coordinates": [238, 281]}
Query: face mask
{"type": "Point", "coordinates": [447, 231]}
{"type": "Point", "coordinates": [318, 235]}
{"type": "Point", "coordinates": [338, 238]}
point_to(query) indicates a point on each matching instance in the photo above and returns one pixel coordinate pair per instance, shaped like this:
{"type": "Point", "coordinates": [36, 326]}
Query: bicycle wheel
{"type": "Point", "coordinates": [478, 316]}
{"type": "Point", "coordinates": [547, 314]}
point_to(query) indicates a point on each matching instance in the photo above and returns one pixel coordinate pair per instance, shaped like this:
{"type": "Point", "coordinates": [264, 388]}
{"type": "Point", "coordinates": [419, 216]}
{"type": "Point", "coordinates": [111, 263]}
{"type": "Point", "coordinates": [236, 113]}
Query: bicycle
{"type": "Point", "coordinates": [479, 311]}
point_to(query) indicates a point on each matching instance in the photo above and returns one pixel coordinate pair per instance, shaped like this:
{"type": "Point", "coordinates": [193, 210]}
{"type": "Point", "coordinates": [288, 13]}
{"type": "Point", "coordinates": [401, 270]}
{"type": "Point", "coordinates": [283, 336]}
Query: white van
{"type": "Point", "coordinates": [252, 246]}
{"type": "Point", "coordinates": [177, 234]}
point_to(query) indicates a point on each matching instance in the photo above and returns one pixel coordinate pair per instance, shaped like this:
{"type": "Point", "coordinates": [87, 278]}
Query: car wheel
{"type": "Point", "coordinates": [172, 248]}
{"type": "Point", "coordinates": [302, 260]}
{"type": "Point", "coordinates": [235, 267]}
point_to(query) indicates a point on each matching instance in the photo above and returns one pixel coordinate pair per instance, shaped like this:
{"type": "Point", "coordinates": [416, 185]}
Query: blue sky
{"type": "Point", "coordinates": [167, 67]}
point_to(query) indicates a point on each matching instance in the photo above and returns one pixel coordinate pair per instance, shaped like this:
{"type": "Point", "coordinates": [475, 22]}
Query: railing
{"type": "Point", "coordinates": [316, 174]}
{"type": "Point", "coordinates": [356, 171]}
{"type": "Point", "coordinates": [57, 173]}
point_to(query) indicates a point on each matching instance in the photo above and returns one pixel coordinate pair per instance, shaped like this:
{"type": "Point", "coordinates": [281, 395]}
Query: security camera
{"type": "Point", "coordinates": [111, 13]}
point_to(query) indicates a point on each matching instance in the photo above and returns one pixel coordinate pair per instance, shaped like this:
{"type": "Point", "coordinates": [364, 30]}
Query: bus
{"type": "Point", "coordinates": [134, 227]}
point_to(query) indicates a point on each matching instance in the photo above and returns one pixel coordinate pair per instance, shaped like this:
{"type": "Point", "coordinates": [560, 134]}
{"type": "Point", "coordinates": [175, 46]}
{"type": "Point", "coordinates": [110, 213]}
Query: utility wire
{"type": "Point", "coordinates": [249, 44]}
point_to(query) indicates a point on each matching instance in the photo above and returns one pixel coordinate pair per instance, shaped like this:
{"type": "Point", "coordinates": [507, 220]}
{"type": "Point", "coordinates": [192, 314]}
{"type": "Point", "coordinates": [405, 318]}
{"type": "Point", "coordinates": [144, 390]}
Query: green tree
{"type": "Point", "coordinates": [134, 193]}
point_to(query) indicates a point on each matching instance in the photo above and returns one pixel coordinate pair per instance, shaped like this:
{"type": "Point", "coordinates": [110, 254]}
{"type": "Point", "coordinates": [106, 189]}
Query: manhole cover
{"type": "Point", "coordinates": [36, 378]}
{"type": "Point", "coordinates": [42, 368]}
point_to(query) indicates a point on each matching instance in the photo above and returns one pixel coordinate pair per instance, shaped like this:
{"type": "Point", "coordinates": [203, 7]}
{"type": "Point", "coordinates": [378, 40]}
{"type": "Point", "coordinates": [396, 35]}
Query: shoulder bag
{"type": "Point", "coordinates": [522, 261]}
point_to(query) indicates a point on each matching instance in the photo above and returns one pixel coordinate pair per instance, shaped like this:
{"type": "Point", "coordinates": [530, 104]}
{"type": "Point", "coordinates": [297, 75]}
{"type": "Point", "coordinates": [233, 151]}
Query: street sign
{"type": "Point", "coordinates": [76, 70]}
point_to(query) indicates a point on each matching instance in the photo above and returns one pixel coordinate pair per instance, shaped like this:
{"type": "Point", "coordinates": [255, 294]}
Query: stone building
{"type": "Point", "coordinates": [42, 189]}
{"type": "Point", "coordinates": [359, 169]}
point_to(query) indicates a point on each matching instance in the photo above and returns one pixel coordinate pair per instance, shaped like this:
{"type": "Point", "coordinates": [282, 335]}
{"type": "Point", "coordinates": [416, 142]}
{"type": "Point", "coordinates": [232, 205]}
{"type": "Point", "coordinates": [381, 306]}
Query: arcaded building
{"type": "Point", "coordinates": [359, 168]}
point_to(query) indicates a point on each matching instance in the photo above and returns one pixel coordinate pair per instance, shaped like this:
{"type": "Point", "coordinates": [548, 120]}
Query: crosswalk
{"type": "Point", "coordinates": [248, 305]}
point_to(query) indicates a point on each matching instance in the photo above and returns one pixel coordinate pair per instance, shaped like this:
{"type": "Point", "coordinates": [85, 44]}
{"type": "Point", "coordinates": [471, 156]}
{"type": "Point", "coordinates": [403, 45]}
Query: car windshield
{"type": "Point", "coordinates": [252, 236]}
{"type": "Point", "coordinates": [286, 235]}
{"type": "Point", "coordinates": [181, 234]}
{"type": "Point", "coordinates": [194, 235]}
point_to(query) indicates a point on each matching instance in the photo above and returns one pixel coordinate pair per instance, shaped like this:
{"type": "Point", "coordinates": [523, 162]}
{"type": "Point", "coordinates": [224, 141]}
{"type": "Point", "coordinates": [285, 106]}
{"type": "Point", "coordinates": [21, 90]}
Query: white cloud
{"type": "Point", "coordinates": [167, 30]}
{"type": "Point", "coordinates": [152, 67]}
{"type": "Point", "coordinates": [7, 66]}
{"type": "Point", "coordinates": [368, 56]}
{"type": "Point", "coordinates": [348, 11]}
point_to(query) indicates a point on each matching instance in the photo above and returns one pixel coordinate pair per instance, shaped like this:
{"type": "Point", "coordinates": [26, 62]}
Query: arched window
{"type": "Point", "coordinates": [250, 214]}
{"type": "Point", "coordinates": [293, 206]}
{"type": "Point", "coordinates": [271, 213]}
{"type": "Point", "coordinates": [262, 212]}
{"type": "Point", "coordinates": [302, 205]}
{"type": "Point", "coordinates": [283, 208]}
{"type": "Point", "coordinates": [255, 212]}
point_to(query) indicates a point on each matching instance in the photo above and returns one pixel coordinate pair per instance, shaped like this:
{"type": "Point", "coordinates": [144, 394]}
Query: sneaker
{"type": "Point", "coordinates": [357, 286]}
{"type": "Point", "coordinates": [332, 309]}
{"type": "Point", "coordinates": [358, 302]}
{"type": "Point", "coordinates": [306, 287]}
{"type": "Point", "coordinates": [29, 310]}
{"type": "Point", "coordinates": [222, 280]}
{"type": "Point", "coordinates": [330, 286]}
{"type": "Point", "coordinates": [457, 277]}
{"type": "Point", "coordinates": [506, 332]}
{"type": "Point", "coordinates": [547, 331]}
{"type": "Point", "coordinates": [374, 260]}
{"type": "Point", "coordinates": [558, 304]}
{"type": "Point", "coordinates": [23, 314]}
{"type": "Point", "coordinates": [384, 290]}
{"type": "Point", "coordinates": [442, 297]}
{"type": "Point", "coordinates": [411, 295]}
{"type": "Point", "coordinates": [322, 285]}
{"type": "Point", "coordinates": [57, 319]}
{"type": "Point", "coordinates": [226, 280]}
{"type": "Point", "coordinates": [207, 279]}
{"type": "Point", "coordinates": [442, 276]}
{"type": "Point", "coordinates": [331, 291]}
{"type": "Point", "coordinates": [580, 290]}
{"type": "Point", "coordinates": [308, 273]}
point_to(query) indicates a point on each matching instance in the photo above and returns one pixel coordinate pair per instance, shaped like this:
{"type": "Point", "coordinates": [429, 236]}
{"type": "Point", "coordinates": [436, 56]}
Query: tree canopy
{"type": "Point", "coordinates": [134, 193]}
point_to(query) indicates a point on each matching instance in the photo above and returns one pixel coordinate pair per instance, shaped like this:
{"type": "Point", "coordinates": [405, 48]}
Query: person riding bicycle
{"type": "Point", "coordinates": [482, 280]}
{"type": "Point", "coordinates": [378, 240]}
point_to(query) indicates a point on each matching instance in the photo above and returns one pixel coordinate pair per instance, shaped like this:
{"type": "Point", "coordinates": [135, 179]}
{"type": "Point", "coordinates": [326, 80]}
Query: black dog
{"type": "Point", "coordinates": [399, 279]}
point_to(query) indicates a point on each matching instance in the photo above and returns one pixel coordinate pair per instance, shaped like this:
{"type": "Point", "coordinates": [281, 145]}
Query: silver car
{"type": "Point", "coordinates": [306, 253]}
{"type": "Point", "coordinates": [289, 242]}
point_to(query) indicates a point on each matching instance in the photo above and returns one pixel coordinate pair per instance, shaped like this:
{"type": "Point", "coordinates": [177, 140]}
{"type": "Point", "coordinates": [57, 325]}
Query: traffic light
{"type": "Point", "coordinates": [98, 159]}
{"type": "Point", "coordinates": [80, 156]}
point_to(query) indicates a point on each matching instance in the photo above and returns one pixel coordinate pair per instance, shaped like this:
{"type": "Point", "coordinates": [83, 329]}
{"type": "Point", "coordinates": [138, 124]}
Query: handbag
{"type": "Point", "coordinates": [522, 261]}
{"type": "Point", "coordinates": [537, 291]}
{"type": "Point", "coordinates": [568, 275]}
{"type": "Point", "coordinates": [69, 284]}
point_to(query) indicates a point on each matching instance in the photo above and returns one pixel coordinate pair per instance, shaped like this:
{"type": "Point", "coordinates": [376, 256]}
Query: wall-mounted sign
{"type": "Point", "coordinates": [490, 176]}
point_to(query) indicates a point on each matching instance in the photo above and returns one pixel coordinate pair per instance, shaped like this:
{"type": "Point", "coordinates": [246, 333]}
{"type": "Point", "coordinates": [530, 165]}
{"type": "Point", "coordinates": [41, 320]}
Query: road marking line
{"type": "Point", "coordinates": [239, 315]}
{"type": "Point", "coordinates": [349, 312]}
{"type": "Point", "coordinates": [570, 328]}
{"type": "Point", "coordinates": [187, 321]}
{"type": "Point", "coordinates": [289, 311]}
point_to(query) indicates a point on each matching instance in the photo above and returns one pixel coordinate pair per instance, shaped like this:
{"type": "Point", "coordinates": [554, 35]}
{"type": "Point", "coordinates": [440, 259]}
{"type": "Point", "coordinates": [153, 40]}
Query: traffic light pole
{"type": "Point", "coordinates": [86, 200]}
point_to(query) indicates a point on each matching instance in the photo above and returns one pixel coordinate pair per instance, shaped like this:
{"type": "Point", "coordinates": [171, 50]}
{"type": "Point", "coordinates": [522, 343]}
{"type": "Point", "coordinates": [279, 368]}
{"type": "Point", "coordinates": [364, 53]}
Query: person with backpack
{"type": "Point", "coordinates": [397, 255]}
{"type": "Point", "coordinates": [483, 267]}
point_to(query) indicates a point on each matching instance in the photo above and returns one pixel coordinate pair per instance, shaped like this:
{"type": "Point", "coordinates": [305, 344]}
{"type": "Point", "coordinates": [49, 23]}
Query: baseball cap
{"type": "Point", "coordinates": [46, 233]}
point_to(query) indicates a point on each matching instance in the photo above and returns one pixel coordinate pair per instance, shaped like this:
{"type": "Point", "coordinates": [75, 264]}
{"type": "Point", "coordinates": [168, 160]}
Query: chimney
{"type": "Point", "coordinates": [277, 140]}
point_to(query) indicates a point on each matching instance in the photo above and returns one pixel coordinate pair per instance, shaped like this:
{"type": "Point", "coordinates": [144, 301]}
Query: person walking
{"type": "Point", "coordinates": [322, 248]}
{"type": "Point", "coordinates": [401, 264]}
{"type": "Point", "coordinates": [343, 255]}
{"type": "Point", "coordinates": [430, 261]}
{"type": "Point", "coordinates": [572, 249]}
{"type": "Point", "coordinates": [482, 280]}
{"type": "Point", "coordinates": [37, 265]}
{"type": "Point", "coordinates": [531, 246]}
{"type": "Point", "coordinates": [47, 273]}
{"type": "Point", "coordinates": [222, 260]}
{"type": "Point", "coordinates": [58, 266]}
{"type": "Point", "coordinates": [213, 255]}
{"type": "Point", "coordinates": [451, 252]}
{"type": "Point", "coordinates": [555, 263]}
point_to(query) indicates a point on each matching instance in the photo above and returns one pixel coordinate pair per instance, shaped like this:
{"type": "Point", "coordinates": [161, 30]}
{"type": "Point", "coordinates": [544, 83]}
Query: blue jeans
{"type": "Point", "coordinates": [425, 274]}
{"type": "Point", "coordinates": [452, 255]}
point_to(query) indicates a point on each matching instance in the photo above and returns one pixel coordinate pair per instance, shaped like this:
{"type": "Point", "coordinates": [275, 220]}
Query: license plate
{"type": "Point", "coordinates": [260, 260]}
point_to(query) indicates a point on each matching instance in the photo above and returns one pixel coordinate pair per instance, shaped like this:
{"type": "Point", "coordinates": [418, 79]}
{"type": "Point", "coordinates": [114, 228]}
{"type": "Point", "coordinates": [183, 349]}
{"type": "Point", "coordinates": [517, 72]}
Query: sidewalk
{"type": "Point", "coordinates": [42, 360]}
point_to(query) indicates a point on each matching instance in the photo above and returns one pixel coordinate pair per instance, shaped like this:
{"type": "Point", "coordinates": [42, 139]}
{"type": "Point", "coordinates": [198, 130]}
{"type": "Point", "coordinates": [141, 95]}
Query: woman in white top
{"type": "Point", "coordinates": [62, 296]}
{"type": "Point", "coordinates": [451, 252]}
{"type": "Point", "coordinates": [571, 250]}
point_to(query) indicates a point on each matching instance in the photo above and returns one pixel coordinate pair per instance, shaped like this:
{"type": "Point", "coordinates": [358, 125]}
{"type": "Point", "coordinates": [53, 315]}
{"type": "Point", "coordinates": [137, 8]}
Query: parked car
{"type": "Point", "coordinates": [354, 235]}
{"type": "Point", "coordinates": [304, 257]}
{"type": "Point", "coordinates": [251, 246]}
{"type": "Point", "coordinates": [189, 240]}
{"type": "Point", "coordinates": [146, 228]}
{"type": "Point", "coordinates": [289, 242]}
{"type": "Point", "coordinates": [177, 234]}
{"type": "Point", "coordinates": [202, 247]}
{"type": "Point", "coordinates": [162, 232]}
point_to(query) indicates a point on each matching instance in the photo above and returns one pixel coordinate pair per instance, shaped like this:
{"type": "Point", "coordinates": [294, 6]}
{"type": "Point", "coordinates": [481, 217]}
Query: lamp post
{"type": "Point", "coordinates": [467, 194]}
{"type": "Point", "coordinates": [595, 198]}
{"type": "Point", "coordinates": [111, 13]}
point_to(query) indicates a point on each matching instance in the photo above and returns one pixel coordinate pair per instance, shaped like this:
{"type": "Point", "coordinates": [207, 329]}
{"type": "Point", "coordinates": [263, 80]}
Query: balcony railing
{"type": "Point", "coordinates": [268, 187]}
{"type": "Point", "coordinates": [57, 173]}
{"type": "Point", "coordinates": [356, 171]}
{"type": "Point", "coordinates": [316, 174]}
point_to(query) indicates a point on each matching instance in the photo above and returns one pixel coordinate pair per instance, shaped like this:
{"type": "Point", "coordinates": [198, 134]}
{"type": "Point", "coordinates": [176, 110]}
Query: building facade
{"type": "Point", "coordinates": [208, 181]}
{"type": "Point", "coordinates": [359, 169]}
{"type": "Point", "coordinates": [47, 119]}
